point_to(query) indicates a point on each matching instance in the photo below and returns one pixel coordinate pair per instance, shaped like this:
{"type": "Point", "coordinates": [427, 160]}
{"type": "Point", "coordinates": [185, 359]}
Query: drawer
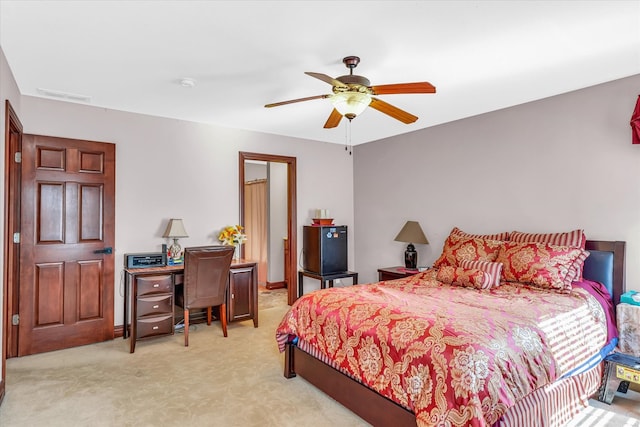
{"type": "Point", "coordinates": [154, 285]}
{"type": "Point", "coordinates": [383, 275]}
{"type": "Point", "coordinates": [178, 278]}
{"type": "Point", "coordinates": [157, 325]}
{"type": "Point", "coordinates": [152, 305]}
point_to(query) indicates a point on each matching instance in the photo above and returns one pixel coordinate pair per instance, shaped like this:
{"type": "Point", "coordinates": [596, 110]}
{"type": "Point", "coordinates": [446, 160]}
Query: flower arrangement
{"type": "Point", "coordinates": [232, 235]}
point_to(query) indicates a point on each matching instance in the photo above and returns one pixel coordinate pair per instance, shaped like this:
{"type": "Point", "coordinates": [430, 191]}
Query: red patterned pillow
{"type": "Point", "coordinates": [457, 248]}
{"type": "Point", "coordinates": [467, 277]}
{"type": "Point", "coordinates": [575, 238]}
{"type": "Point", "coordinates": [540, 264]}
{"type": "Point", "coordinates": [494, 269]}
{"type": "Point", "coordinates": [498, 236]}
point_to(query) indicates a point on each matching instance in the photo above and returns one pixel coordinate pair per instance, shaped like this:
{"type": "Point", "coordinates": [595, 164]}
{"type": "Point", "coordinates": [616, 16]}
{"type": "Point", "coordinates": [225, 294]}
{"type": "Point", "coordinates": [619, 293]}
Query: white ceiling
{"type": "Point", "coordinates": [480, 55]}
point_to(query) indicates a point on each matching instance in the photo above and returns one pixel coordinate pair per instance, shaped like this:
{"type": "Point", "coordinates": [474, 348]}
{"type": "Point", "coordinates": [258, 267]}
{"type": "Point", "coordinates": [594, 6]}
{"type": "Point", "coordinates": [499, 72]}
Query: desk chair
{"type": "Point", "coordinates": [206, 274]}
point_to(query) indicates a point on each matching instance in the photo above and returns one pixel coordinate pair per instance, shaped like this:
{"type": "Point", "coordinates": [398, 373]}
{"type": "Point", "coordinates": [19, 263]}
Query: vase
{"type": "Point", "coordinates": [236, 251]}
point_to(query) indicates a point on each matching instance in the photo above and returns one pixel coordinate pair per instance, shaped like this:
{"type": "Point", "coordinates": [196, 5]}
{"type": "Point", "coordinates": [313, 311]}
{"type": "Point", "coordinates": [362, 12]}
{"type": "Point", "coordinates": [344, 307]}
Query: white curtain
{"type": "Point", "coordinates": [255, 221]}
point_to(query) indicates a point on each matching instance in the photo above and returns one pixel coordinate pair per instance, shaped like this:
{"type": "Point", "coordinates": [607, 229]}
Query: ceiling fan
{"type": "Point", "coordinates": [352, 94]}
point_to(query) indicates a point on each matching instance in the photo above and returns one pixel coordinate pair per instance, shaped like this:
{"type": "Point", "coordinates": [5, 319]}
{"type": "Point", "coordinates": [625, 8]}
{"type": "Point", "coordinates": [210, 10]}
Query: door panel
{"type": "Point", "coordinates": [90, 289]}
{"type": "Point", "coordinates": [66, 288]}
{"type": "Point", "coordinates": [50, 213]}
{"type": "Point", "coordinates": [49, 293]}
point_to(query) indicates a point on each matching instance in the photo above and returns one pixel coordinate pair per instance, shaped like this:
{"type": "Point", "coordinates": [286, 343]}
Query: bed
{"type": "Point", "coordinates": [547, 387]}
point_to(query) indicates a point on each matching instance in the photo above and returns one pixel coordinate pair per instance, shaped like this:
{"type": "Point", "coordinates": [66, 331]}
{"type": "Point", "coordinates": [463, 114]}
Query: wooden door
{"type": "Point", "coordinates": [66, 281]}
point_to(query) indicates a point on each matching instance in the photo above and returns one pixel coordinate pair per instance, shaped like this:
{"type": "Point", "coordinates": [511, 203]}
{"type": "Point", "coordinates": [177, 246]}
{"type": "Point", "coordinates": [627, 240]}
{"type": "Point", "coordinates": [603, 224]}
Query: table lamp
{"type": "Point", "coordinates": [175, 229]}
{"type": "Point", "coordinates": [411, 233]}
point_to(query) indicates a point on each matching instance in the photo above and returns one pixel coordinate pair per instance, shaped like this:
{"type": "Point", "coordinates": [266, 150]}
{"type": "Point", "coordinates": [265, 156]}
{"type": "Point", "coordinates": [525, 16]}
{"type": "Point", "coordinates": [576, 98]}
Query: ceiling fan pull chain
{"type": "Point", "coordinates": [347, 137]}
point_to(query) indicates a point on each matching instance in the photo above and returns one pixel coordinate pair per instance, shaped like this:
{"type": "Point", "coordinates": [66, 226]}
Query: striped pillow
{"type": "Point", "coordinates": [466, 277]}
{"type": "Point", "coordinates": [575, 238]}
{"type": "Point", "coordinates": [494, 269]}
{"type": "Point", "coordinates": [498, 236]}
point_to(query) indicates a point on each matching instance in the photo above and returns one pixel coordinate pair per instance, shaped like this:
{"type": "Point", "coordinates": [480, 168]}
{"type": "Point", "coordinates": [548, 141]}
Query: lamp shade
{"type": "Point", "coordinates": [350, 104]}
{"type": "Point", "coordinates": [175, 229]}
{"type": "Point", "coordinates": [412, 233]}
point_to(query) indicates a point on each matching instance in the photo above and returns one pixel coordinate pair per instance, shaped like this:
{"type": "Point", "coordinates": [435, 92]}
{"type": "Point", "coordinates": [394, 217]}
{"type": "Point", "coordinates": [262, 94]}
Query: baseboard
{"type": "Point", "coordinates": [118, 331]}
{"type": "Point", "coordinates": [276, 285]}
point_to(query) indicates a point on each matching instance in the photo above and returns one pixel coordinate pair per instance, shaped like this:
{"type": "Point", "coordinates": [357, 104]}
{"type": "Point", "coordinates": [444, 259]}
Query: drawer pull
{"type": "Point", "coordinates": [156, 285]}
{"type": "Point", "coordinates": [155, 327]}
{"type": "Point", "coordinates": [156, 306]}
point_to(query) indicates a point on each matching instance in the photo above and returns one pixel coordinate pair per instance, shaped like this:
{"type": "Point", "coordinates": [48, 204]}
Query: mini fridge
{"type": "Point", "coordinates": [324, 249]}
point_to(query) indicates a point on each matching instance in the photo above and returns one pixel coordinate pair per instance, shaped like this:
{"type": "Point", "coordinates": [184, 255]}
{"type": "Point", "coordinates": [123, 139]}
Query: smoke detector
{"type": "Point", "coordinates": [187, 82]}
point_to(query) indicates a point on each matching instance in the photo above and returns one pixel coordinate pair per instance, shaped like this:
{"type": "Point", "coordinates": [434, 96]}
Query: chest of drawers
{"type": "Point", "coordinates": [152, 310]}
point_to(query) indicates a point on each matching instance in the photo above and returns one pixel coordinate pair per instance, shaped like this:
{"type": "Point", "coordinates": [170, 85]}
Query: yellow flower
{"type": "Point", "coordinates": [232, 235]}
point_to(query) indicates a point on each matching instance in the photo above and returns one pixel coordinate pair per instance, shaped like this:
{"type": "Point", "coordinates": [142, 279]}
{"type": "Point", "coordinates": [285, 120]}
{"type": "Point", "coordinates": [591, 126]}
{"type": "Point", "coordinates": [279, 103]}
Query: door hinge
{"type": "Point", "coordinates": [18, 157]}
{"type": "Point", "coordinates": [15, 319]}
{"type": "Point", "coordinates": [16, 237]}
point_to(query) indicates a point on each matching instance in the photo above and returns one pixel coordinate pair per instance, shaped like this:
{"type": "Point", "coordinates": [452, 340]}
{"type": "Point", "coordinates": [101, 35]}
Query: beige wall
{"type": "Point", "coordinates": [277, 220]}
{"type": "Point", "coordinates": [556, 164]}
{"type": "Point", "coordinates": [168, 168]}
{"type": "Point", "coordinates": [551, 165]}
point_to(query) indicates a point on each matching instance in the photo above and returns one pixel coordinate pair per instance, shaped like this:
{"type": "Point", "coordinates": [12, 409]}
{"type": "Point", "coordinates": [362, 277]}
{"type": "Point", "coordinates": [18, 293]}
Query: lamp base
{"type": "Point", "coordinates": [410, 257]}
{"type": "Point", "coordinates": [175, 250]}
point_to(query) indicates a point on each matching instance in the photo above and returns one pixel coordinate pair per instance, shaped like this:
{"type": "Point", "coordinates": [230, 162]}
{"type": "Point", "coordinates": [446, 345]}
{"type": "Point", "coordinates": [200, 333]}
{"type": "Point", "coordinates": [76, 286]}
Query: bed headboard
{"type": "Point", "coordinates": [606, 265]}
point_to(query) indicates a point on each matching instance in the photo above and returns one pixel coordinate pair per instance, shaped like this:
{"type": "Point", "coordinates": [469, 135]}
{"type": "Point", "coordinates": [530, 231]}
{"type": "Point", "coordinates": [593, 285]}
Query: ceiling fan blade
{"type": "Point", "coordinates": [291, 101]}
{"type": "Point", "coordinates": [398, 88]}
{"type": "Point", "coordinates": [392, 111]}
{"type": "Point", "coordinates": [326, 79]}
{"type": "Point", "coordinates": [333, 120]}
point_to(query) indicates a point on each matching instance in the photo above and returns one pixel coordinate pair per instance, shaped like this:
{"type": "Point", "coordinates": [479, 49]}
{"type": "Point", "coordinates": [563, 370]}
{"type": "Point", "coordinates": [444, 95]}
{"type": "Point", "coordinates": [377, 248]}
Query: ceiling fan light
{"type": "Point", "coordinates": [350, 104]}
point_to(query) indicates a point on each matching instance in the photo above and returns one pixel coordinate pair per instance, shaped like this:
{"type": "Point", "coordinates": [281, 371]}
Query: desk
{"type": "Point", "coordinates": [148, 295]}
{"type": "Point", "coordinates": [324, 278]}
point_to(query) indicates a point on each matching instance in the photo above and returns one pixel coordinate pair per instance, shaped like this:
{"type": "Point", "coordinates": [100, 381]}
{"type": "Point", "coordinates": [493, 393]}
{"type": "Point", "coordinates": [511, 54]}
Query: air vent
{"type": "Point", "coordinates": [64, 95]}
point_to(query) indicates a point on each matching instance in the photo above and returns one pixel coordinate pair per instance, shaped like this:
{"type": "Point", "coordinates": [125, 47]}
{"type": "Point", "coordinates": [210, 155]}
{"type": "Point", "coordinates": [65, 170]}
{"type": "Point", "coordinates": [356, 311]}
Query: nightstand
{"type": "Point", "coordinates": [324, 278]}
{"type": "Point", "coordinates": [398, 272]}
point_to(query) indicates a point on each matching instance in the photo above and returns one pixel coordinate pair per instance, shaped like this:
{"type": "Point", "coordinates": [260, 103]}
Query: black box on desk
{"type": "Point", "coordinates": [146, 260]}
{"type": "Point", "coordinates": [324, 249]}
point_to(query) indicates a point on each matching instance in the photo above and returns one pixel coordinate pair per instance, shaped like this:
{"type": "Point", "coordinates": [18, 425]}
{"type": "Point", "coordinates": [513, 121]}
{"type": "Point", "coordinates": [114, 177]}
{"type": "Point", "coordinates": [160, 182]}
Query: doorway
{"type": "Point", "coordinates": [12, 146]}
{"type": "Point", "coordinates": [289, 254]}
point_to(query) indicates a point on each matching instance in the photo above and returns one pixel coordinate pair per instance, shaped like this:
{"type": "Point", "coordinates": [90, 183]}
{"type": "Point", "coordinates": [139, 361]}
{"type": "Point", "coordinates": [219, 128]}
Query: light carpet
{"type": "Point", "coordinates": [233, 381]}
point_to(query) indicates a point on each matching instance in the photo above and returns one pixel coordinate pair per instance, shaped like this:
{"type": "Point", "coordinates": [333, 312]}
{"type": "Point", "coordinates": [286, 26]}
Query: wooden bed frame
{"type": "Point", "coordinates": [377, 409]}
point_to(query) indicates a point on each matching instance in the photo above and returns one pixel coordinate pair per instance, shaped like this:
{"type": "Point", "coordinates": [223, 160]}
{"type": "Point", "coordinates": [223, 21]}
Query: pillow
{"type": "Point", "coordinates": [457, 248]}
{"type": "Point", "coordinates": [499, 236]}
{"type": "Point", "coordinates": [540, 264]}
{"type": "Point", "coordinates": [494, 269]}
{"type": "Point", "coordinates": [467, 277]}
{"type": "Point", "coordinates": [575, 238]}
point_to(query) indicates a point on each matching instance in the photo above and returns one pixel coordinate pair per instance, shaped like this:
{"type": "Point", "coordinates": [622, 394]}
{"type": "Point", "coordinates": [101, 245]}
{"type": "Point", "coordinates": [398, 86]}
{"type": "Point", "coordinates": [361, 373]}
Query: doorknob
{"type": "Point", "coordinates": [103, 251]}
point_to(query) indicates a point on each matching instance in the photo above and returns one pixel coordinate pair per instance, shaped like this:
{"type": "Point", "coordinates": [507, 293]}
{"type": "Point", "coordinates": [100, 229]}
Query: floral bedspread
{"type": "Point", "coordinates": [455, 356]}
